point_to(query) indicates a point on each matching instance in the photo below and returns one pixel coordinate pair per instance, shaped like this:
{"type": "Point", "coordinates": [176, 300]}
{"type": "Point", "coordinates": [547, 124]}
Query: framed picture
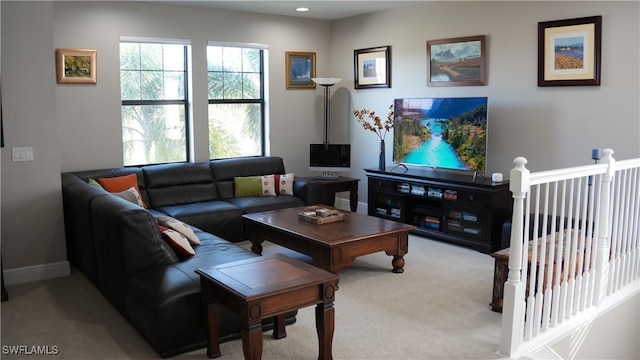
{"type": "Point", "coordinates": [372, 67]}
{"type": "Point", "coordinates": [301, 67]}
{"type": "Point", "coordinates": [569, 52]}
{"type": "Point", "coordinates": [76, 66]}
{"type": "Point", "coordinates": [457, 61]}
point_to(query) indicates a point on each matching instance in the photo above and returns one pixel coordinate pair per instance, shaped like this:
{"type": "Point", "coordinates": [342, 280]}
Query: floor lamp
{"type": "Point", "coordinates": [327, 83]}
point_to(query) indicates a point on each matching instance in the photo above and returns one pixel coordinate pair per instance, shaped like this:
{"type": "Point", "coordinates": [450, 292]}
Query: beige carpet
{"type": "Point", "coordinates": [437, 309]}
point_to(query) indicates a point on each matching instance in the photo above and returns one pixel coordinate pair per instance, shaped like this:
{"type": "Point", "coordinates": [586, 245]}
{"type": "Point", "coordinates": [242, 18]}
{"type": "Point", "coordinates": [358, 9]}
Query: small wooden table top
{"type": "Point", "coordinates": [264, 287]}
{"type": "Point", "coordinates": [266, 275]}
{"type": "Point", "coordinates": [335, 245]}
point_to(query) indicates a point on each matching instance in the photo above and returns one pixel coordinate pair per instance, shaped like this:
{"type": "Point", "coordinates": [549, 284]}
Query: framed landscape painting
{"type": "Point", "coordinates": [300, 68]}
{"type": "Point", "coordinates": [456, 62]}
{"type": "Point", "coordinates": [569, 52]}
{"type": "Point", "coordinates": [76, 66]}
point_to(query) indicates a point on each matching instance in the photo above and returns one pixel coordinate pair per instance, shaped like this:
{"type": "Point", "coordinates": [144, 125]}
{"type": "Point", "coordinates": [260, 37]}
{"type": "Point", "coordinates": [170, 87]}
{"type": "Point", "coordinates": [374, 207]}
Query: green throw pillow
{"type": "Point", "coordinates": [95, 183]}
{"type": "Point", "coordinates": [248, 186]}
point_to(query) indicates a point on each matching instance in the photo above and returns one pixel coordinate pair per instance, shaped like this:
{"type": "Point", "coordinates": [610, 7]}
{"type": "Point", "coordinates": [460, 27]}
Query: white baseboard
{"type": "Point", "coordinates": [36, 272]}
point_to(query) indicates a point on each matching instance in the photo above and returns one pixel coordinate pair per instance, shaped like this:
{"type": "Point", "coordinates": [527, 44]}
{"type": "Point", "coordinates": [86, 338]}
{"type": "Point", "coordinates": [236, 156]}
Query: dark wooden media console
{"type": "Point", "coordinates": [452, 206]}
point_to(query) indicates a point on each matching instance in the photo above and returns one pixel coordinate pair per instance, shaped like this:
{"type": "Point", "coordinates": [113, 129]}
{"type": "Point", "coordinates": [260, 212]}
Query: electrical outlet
{"type": "Point", "coordinates": [22, 153]}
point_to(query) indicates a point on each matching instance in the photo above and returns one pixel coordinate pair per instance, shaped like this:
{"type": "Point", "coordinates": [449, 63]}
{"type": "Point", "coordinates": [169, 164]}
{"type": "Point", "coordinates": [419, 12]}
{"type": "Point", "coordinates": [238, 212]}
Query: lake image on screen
{"type": "Point", "coordinates": [435, 150]}
{"type": "Point", "coordinates": [441, 132]}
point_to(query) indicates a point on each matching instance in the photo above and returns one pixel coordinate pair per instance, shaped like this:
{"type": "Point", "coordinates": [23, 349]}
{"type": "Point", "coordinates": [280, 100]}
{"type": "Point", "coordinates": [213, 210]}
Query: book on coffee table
{"type": "Point", "coordinates": [320, 215]}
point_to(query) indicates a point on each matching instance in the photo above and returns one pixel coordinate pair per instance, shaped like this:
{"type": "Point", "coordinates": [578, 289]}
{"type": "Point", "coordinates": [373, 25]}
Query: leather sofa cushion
{"type": "Point", "coordinates": [179, 183]}
{"type": "Point", "coordinates": [193, 213]}
{"type": "Point", "coordinates": [220, 218]}
{"type": "Point", "coordinates": [265, 203]}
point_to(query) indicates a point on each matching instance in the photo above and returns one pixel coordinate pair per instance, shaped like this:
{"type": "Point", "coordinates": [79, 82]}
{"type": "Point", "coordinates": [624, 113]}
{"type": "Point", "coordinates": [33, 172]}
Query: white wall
{"type": "Point", "coordinates": [552, 127]}
{"type": "Point", "coordinates": [613, 335]}
{"type": "Point", "coordinates": [32, 224]}
{"type": "Point", "coordinates": [89, 117]}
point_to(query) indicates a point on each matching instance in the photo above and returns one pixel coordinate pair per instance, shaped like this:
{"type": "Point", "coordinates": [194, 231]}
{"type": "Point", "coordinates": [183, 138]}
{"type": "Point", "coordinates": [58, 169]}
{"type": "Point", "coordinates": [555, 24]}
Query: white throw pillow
{"type": "Point", "coordinates": [180, 227]}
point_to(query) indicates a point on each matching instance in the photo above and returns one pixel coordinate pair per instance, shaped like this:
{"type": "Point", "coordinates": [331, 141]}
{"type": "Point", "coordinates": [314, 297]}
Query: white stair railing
{"type": "Point", "coordinates": [574, 241]}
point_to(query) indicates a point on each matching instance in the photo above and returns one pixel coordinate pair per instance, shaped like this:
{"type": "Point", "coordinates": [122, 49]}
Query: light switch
{"type": "Point", "coordinates": [22, 153]}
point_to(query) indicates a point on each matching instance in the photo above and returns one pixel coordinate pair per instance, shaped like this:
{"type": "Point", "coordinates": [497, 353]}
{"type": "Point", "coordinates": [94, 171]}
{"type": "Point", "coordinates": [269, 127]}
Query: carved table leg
{"type": "Point", "coordinates": [398, 264]}
{"type": "Point", "coordinates": [279, 330]}
{"type": "Point", "coordinates": [325, 316]}
{"type": "Point", "coordinates": [213, 330]}
{"type": "Point", "coordinates": [252, 341]}
{"type": "Point", "coordinates": [256, 246]}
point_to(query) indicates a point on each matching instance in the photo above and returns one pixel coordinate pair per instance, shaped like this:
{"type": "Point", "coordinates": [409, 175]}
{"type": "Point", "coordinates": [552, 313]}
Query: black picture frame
{"type": "Point", "coordinates": [372, 67]}
{"type": "Point", "coordinates": [569, 52]}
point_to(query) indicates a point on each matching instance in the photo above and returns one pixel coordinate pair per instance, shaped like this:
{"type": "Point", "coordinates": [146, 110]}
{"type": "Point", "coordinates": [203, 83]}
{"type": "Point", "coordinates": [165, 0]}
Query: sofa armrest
{"type": "Point", "coordinates": [309, 191]}
{"type": "Point", "coordinates": [127, 240]}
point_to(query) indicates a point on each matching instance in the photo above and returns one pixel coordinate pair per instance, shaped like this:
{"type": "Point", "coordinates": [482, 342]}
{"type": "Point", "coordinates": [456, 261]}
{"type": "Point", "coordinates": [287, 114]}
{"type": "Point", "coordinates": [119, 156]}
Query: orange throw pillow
{"type": "Point", "coordinates": [120, 183]}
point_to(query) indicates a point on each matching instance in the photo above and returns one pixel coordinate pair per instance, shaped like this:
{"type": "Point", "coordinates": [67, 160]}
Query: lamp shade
{"type": "Point", "coordinates": [326, 81]}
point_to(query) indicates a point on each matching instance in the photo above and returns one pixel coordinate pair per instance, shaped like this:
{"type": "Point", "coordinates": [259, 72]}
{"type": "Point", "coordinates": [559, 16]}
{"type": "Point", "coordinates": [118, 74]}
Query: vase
{"type": "Point", "coordinates": [381, 161]}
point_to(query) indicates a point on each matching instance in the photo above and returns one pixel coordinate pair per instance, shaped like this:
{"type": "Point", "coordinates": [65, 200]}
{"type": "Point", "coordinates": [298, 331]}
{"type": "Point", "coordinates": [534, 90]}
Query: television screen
{"type": "Point", "coordinates": [446, 133]}
{"type": "Point", "coordinates": [330, 157]}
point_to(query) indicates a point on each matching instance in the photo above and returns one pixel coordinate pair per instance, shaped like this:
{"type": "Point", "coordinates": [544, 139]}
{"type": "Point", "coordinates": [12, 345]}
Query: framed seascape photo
{"type": "Point", "coordinates": [76, 66]}
{"type": "Point", "coordinates": [372, 67]}
{"type": "Point", "coordinates": [569, 52]}
{"type": "Point", "coordinates": [300, 68]}
{"type": "Point", "coordinates": [456, 62]}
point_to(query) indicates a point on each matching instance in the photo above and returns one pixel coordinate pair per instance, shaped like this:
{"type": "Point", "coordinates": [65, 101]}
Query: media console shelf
{"type": "Point", "coordinates": [450, 206]}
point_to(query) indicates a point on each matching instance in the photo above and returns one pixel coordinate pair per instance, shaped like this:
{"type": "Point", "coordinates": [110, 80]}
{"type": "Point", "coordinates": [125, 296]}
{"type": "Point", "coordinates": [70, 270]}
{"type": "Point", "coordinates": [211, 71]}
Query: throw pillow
{"type": "Point", "coordinates": [248, 186]}
{"type": "Point", "coordinates": [285, 184]}
{"type": "Point", "coordinates": [131, 195]}
{"type": "Point", "coordinates": [269, 185]}
{"type": "Point", "coordinates": [95, 183]}
{"type": "Point", "coordinates": [178, 242]}
{"type": "Point", "coordinates": [180, 227]}
{"type": "Point", "coordinates": [121, 183]}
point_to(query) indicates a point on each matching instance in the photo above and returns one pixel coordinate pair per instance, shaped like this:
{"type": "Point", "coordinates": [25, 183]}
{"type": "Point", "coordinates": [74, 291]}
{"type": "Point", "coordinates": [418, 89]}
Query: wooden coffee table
{"type": "Point", "coordinates": [263, 287]}
{"type": "Point", "coordinates": [332, 246]}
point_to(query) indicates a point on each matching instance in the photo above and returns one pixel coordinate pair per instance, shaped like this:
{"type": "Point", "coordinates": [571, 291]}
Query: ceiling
{"type": "Point", "coordinates": [321, 10]}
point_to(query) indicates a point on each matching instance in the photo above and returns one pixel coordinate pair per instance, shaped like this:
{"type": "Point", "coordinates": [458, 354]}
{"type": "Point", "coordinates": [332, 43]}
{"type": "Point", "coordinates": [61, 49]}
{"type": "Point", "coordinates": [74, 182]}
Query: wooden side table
{"type": "Point", "coordinates": [501, 267]}
{"type": "Point", "coordinates": [264, 287]}
{"type": "Point", "coordinates": [331, 186]}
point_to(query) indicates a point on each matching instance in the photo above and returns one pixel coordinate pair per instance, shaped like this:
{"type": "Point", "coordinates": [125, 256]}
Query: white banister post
{"type": "Point", "coordinates": [603, 245]}
{"type": "Point", "coordinates": [514, 289]}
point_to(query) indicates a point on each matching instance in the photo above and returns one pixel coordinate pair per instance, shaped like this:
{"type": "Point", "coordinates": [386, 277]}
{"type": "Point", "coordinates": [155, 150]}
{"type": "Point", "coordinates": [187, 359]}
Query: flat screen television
{"type": "Point", "coordinates": [448, 133]}
{"type": "Point", "coordinates": [330, 157]}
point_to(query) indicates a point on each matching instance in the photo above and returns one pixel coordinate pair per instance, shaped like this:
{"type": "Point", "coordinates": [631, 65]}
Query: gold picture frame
{"type": "Point", "coordinates": [569, 52]}
{"type": "Point", "coordinates": [76, 66]}
{"type": "Point", "coordinates": [300, 69]}
{"type": "Point", "coordinates": [456, 62]}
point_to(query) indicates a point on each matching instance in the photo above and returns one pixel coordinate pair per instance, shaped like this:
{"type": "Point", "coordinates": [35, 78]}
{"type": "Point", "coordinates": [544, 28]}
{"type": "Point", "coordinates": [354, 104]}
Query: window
{"type": "Point", "coordinates": [236, 101]}
{"type": "Point", "coordinates": [153, 88]}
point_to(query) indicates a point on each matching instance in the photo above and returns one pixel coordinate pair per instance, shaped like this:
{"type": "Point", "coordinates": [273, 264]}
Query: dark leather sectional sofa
{"type": "Point", "coordinates": [119, 247]}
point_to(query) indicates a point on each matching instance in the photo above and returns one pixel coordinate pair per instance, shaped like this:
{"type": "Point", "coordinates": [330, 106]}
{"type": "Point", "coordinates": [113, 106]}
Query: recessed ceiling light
{"type": "Point", "coordinates": [302, 9]}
